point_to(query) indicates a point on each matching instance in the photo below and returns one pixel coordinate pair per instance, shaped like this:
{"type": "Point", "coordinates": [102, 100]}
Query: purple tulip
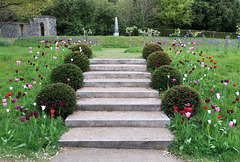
{"type": "Point", "coordinates": [174, 80]}
{"type": "Point", "coordinates": [190, 82]}
{"type": "Point", "coordinates": [195, 82]}
{"type": "Point", "coordinates": [18, 107]}
{"type": "Point", "coordinates": [22, 119]}
{"type": "Point", "coordinates": [27, 84]}
{"type": "Point", "coordinates": [32, 78]}
{"type": "Point", "coordinates": [10, 79]}
{"type": "Point", "coordinates": [13, 100]}
{"type": "Point", "coordinates": [188, 104]}
{"type": "Point", "coordinates": [211, 67]}
{"type": "Point", "coordinates": [68, 79]}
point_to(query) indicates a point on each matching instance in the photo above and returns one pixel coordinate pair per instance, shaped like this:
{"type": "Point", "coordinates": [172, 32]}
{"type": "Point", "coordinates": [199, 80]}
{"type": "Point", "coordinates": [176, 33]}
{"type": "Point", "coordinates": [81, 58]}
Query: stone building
{"type": "Point", "coordinates": [39, 26]}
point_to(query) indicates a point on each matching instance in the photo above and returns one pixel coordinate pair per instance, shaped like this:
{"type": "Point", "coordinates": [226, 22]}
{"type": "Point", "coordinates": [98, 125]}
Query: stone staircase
{"type": "Point", "coordinates": [116, 108]}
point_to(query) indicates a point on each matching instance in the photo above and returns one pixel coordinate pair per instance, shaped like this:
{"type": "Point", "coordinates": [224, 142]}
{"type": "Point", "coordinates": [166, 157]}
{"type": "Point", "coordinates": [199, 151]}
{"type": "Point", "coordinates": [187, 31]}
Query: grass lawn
{"type": "Point", "coordinates": [215, 141]}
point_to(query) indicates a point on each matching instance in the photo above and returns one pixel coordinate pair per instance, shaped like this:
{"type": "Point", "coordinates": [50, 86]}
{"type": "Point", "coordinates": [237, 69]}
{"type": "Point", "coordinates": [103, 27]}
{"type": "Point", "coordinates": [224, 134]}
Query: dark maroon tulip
{"type": "Point", "coordinates": [27, 117]}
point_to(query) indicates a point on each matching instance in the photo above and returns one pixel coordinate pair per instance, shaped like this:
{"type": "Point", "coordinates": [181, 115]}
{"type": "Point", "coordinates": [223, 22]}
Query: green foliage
{"type": "Point", "coordinates": [83, 48]}
{"type": "Point", "coordinates": [215, 15]}
{"type": "Point", "coordinates": [129, 30]}
{"type": "Point", "coordinates": [179, 96]}
{"type": "Point", "coordinates": [79, 59]}
{"type": "Point", "coordinates": [56, 94]}
{"type": "Point", "coordinates": [142, 13]}
{"type": "Point", "coordinates": [72, 16]}
{"type": "Point", "coordinates": [4, 43]}
{"type": "Point", "coordinates": [165, 77]}
{"type": "Point", "coordinates": [175, 13]}
{"type": "Point", "coordinates": [62, 73]}
{"type": "Point", "coordinates": [158, 58]}
{"type": "Point", "coordinates": [150, 48]}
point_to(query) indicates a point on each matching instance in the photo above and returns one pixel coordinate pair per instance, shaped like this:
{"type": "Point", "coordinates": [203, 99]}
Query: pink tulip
{"type": "Point", "coordinates": [174, 80]}
{"type": "Point", "coordinates": [230, 124]}
{"type": "Point", "coordinates": [188, 114]}
{"type": "Point", "coordinates": [4, 104]}
{"type": "Point", "coordinates": [202, 63]}
{"type": "Point", "coordinates": [217, 109]}
{"type": "Point", "coordinates": [68, 79]}
{"type": "Point", "coordinates": [16, 79]}
{"type": "Point", "coordinates": [30, 48]}
{"type": "Point", "coordinates": [29, 86]}
{"type": "Point", "coordinates": [42, 41]}
{"type": "Point", "coordinates": [188, 51]}
{"type": "Point", "coordinates": [30, 52]}
{"type": "Point", "coordinates": [178, 52]}
{"type": "Point", "coordinates": [18, 62]}
{"type": "Point", "coordinates": [34, 83]}
{"type": "Point", "coordinates": [54, 57]}
{"type": "Point", "coordinates": [202, 66]}
{"type": "Point", "coordinates": [4, 100]}
{"type": "Point", "coordinates": [225, 83]}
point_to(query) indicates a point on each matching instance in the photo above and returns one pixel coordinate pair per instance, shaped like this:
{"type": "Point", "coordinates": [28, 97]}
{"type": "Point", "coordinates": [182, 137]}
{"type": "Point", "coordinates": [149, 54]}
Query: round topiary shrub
{"type": "Point", "coordinates": [79, 59]}
{"type": "Point", "coordinates": [179, 96]}
{"type": "Point", "coordinates": [69, 74]}
{"type": "Point", "coordinates": [157, 59]}
{"type": "Point", "coordinates": [84, 48]}
{"type": "Point", "coordinates": [150, 48]}
{"type": "Point", "coordinates": [165, 76]}
{"type": "Point", "coordinates": [58, 97]}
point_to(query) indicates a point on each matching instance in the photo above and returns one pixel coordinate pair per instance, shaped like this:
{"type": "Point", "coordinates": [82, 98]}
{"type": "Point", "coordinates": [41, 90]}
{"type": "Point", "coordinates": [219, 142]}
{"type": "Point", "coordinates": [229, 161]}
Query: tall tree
{"type": "Point", "coordinates": [175, 13]}
{"type": "Point", "coordinates": [216, 15]}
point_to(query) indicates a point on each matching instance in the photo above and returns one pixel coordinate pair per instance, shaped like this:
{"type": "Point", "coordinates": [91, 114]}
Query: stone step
{"type": "Point", "coordinates": [117, 67]}
{"type": "Point", "coordinates": [118, 61]}
{"type": "Point", "coordinates": [116, 74]}
{"type": "Point", "coordinates": [118, 104]}
{"type": "Point", "coordinates": [151, 119]}
{"type": "Point", "coordinates": [116, 82]}
{"type": "Point", "coordinates": [117, 137]}
{"type": "Point", "coordinates": [117, 92]}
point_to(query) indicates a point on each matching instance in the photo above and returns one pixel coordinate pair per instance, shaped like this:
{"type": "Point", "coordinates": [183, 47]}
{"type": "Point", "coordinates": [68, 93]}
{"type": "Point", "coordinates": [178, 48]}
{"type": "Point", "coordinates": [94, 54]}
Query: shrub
{"type": "Point", "coordinates": [160, 78]}
{"type": "Point", "coordinates": [64, 72]}
{"type": "Point", "coordinates": [85, 49]}
{"type": "Point", "coordinates": [158, 58]}
{"type": "Point", "coordinates": [150, 48]}
{"type": "Point", "coordinates": [60, 97]}
{"type": "Point", "coordinates": [79, 59]}
{"type": "Point", "coordinates": [179, 96]}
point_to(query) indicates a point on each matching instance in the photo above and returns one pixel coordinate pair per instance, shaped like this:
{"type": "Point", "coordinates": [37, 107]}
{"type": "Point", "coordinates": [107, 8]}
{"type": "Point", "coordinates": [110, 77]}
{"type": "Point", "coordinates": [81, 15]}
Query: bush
{"type": "Point", "coordinates": [150, 48]}
{"type": "Point", "coordinates": [79, 59]}
{"type": "Point", "coordinates": [160, 80]}
{"type": "Point", "coordinates": [60, 97]}
{"type": "Point", "coordinates": [85, 49]}
{"type": "Point", "coordinates": [62, 74]}
{"type": "Point", "coordinates": [178, 96]}
{"type": "Point", "coordinates": [160, 57]}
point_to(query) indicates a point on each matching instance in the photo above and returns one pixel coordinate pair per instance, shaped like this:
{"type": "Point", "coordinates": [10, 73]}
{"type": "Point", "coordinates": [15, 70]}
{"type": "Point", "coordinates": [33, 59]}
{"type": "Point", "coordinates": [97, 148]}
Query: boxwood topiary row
{"type": "Point", "coordinates": [167, 77]}
{"type": "Point", "coordinates": [60, 97]}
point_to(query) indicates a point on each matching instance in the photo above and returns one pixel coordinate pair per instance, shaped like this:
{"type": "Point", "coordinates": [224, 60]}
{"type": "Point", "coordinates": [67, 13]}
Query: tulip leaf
{"type": "Point", "coordinates": [19, 146]}
{"type": "Point", "coordinates": [235, 149]}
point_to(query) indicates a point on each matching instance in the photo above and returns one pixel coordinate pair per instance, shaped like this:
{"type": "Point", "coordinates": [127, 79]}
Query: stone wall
{"type": "Point", "coordinates": [39, 26]}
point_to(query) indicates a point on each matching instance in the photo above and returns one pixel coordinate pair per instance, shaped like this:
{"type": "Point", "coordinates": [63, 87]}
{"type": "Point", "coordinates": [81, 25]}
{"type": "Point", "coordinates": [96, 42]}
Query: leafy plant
{"type": "Point", "coordinates": [150, 48]}
{"type": "Point", "coordinates": [157, 59]}
{"type": "Point", "coordinates": [68, 74]}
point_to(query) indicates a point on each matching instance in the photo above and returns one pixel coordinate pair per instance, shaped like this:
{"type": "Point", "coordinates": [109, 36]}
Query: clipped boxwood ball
{"type": "Point", "coordinates": [85, 49]}
{"type": "Point", "coordinates": [79, 59]}
{"type": "Point", "coordinates": [160, 80]}
{"type": "Point", "coordinates": [179, 96]}
{"type": "Point", "coordinates": [69, 74]}
{"type": "Point", "coordinates": [150, 48]}
{"type": "Point", "coordinates": [158, 58]}
{"type": "Point", "coordinates": [58, 96]}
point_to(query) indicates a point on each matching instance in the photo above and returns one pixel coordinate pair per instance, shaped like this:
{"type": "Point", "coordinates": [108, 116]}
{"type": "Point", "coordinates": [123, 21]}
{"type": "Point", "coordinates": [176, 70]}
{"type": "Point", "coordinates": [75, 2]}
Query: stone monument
{"type": "Point", "coordinates": [116, 32]}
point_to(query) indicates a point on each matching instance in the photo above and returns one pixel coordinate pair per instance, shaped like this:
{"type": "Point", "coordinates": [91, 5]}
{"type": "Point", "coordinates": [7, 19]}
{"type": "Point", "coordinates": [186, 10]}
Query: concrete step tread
{"type": "Point", "coordinates": [116, 89]}
{"type": "Point", "coordinates": [116, 133]}
{"type": "Point", "coordinates": [116, 72]}
{"type": "Point", "coordinates": [117, 80]}
{"type": "Point", "coordinates": [118, 115]}
{"type": "Point", "coordinates": [120, 65]}
{"type": "Point", "coordinates": [118, 101]}
{"type": "Point", "coordinates": [118, 61]}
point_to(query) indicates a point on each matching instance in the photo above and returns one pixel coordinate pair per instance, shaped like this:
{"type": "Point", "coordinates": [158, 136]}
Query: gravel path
{"type": "Point", "coordinates": [113, 155]}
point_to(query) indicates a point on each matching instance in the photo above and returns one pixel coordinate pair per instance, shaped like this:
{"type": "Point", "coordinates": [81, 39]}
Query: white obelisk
{"type": "Point", "coordinates": [116, 32]}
